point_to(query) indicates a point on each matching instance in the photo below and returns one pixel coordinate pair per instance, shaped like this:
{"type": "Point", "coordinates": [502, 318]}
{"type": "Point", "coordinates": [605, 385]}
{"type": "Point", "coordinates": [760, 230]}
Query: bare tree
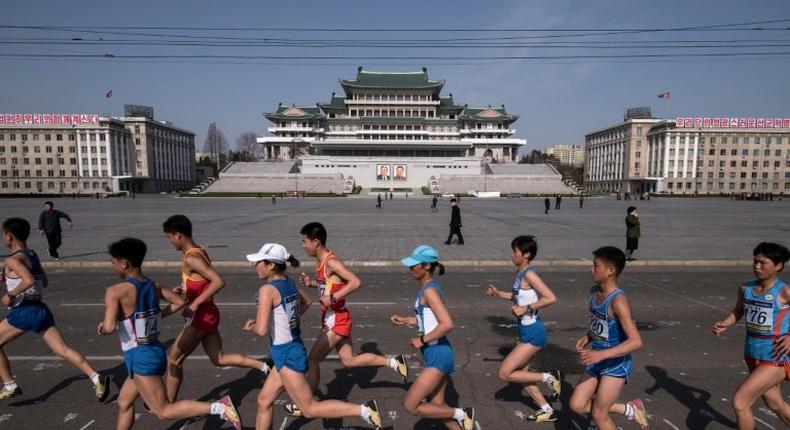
{"type": "Point", "coordinates": [248, 145]}
{"type": "Point", "coordinates": [215, 143]}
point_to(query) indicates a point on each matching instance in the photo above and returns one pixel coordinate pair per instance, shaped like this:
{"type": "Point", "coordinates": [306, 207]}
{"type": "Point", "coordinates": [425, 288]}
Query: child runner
{"type": "Point", "coordinates": [200, 282]}
{"type": "Point", "coordinates": [280, 304]}
{"type": "Point", "coordinates": [765, 302]}
{"type": "Point", "coordinates": [607, 346]}
{"type": "Point", "coordinates": [433, 322]}
{"type": "Point", "coordinates": [25, 280]}
{"type": "Point", "coordinates": [529, 294]}
{"type": "Point", "coordinates": [132, 309]}
{"type": "Point", "coordinates": [335, 282]}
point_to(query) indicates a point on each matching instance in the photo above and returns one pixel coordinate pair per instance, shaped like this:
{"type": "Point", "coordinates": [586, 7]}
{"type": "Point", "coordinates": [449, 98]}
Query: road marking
{"type": "Point", "coordinates": [88, 425]}
{"type": "Point", "coordinates": [477, 425]}
{"type": "Point", "coordinates": [238, 304]}
{"type": "Point", "coordinates": [765, 423]}
{"type": "Point", "coordinates": [656, 287]}
{"type": "Point", "coordinates": [670, 424]}
{"type": "Point", "coordinates": [285, 421]}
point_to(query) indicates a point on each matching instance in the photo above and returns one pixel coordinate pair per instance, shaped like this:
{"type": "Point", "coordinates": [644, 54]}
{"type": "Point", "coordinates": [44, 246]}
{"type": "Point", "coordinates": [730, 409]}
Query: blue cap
{"type": "Point", "coordinates": [421, 254]}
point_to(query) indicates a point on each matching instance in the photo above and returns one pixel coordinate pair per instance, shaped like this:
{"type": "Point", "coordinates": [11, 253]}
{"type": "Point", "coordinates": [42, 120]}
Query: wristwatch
{"type": "Point", "coordinates": [530, 310]}
{"type": "Point", "coordinates": [332, 299]}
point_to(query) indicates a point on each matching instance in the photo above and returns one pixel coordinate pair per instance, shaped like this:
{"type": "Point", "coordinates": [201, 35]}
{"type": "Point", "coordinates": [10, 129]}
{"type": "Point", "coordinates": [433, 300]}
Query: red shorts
{"type": "Point", "coordinates": [339, 322]}
{"type": "Point", "coordinates": [206, 319]}
{"type": "Point", "coordinates": [753, 363]}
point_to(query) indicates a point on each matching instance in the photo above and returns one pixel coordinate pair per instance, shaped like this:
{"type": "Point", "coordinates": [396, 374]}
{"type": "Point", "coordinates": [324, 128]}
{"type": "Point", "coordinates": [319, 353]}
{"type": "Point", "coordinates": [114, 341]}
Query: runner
{"type": "Point", "coordinates": [765, 302]}
{"type": "Point", "coordinates": [280, 304]}
{"type": "Point", "coordinates": [529, 295]}
{"type": "Point", "coordinates": [200, 283]}
{"type": "Point", "coordinates": [425, 397]}
{"type": "Point", "coordinates": [335, 282]}
{"type": "Point", "coordinates": [612, 336]}
{"type": "Point", "coordinates": [25, 281]}
{"type": "Point", "coordinates": [132, 309]}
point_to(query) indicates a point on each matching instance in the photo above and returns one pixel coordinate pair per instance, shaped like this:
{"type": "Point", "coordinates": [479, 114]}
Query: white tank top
{"type": "Point", "coordinates": [35, 292]}
{"type": "Point", "coordinates": [524, 297]}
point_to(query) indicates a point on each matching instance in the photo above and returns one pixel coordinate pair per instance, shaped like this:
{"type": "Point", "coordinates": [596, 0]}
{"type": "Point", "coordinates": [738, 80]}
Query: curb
{"type": "Point", "coordinates": [397, 263]}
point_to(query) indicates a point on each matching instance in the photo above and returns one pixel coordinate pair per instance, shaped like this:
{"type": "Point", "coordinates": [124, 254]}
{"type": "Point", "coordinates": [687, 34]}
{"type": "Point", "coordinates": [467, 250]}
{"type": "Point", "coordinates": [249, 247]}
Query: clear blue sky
{"type": "Point", "coordinates": [558, 100]}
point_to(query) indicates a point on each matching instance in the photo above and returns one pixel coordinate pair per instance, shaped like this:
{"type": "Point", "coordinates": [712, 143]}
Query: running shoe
{"type": "Point", "coordinates": [7, 394]}
{"type": "Point", "coordinates": [102, 389]}
{"type": "Point", "coordinates": [640, 415]}
{"type": "Point", "coordinates": [468, 421]}
{"type": "Point", "coordinates": [403, 368]}
{"type": "Point", "coordinates": [542, 416]}
{"type": "Point", "coordinates": [556, 384]}
{"type": "Point", "coordinates": [292, 410]}
{"type": "Point", "coordinates": [374, 418]}
{"type": "Point", "coordinates": [230, 415]}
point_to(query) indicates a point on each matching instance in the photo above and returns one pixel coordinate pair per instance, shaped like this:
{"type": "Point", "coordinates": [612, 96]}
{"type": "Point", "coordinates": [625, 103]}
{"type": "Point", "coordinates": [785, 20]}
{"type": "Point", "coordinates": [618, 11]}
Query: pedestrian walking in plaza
{"type": "Point", "coordinates": [632, 233]}
{"type": "Point", "coordinates": [435, 204]}
{"type": "Point", "coordinates": [274, 200]}
{"type": "Point", "coordinates": [547, 203]}
{"type": "Point", "coordinates": [378, 201]}
{"type": "Point", "coordinates": [557, 201]}
{"type": "Point", "coordinates": [455, 223]}
{"type": "Point", "coordinates": [581, 201]}
{"type": "Point", "coordinates": [49, 225]}
{"type": "Point", "coordinates": [390, 196]}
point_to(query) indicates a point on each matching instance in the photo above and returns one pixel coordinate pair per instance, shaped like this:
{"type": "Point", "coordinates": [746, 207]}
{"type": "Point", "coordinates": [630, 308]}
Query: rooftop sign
{"type": "Point", "coordinates": [681, 122]}
{"type": "Point", "coordinates": [48, 119]}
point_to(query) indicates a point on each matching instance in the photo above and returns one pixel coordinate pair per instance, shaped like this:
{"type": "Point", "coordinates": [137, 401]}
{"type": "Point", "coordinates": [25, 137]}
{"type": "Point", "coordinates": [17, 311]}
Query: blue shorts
{"type": "Point", "coordinates": [31, 316]}
{"type": "Point", "coordinates": [440, 356]}
{"type": "Point", "coordinates": [533, 334]}
{"type": "Point", "coordinates": [146, 360]}
{"type": "Point", "coordinates": [292, 355]}
{"type": "Point", "coordinates": [620, 367]}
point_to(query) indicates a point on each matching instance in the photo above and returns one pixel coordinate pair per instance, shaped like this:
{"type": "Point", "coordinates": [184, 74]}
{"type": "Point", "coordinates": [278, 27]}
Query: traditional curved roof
{"type": "Point", "coordinates": [488, 114]}
{"type": "Point", "coordinates": [295, 112]}
{"type": "Point", "coordinates": [369, 79]}
{"type": "Point", "coordinates": [337, 102]}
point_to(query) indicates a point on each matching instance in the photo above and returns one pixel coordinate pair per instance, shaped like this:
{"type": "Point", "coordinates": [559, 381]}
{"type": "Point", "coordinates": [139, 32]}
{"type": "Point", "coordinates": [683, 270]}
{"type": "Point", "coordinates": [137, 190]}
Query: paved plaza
{"type": "Point", "coordinates": [685, 374]}
{"type": "Point", "coordinates": [673, 229]}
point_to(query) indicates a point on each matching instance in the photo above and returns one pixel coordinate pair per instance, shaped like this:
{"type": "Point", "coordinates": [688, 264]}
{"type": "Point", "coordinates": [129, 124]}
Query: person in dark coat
{"type": "Point", "coordinates": [378, 201]}
{"type": "Point", "coordinates": [455, 223]}
{"type": "Point", "coordinates": [557, 202]}
{"type": "Point", "coordinates": [49, 225]}
{"type": "Point", "coordinates": [547, 203]}
{"type": "Point", "coordinates": [632, 233]}
{"type": "Point", "coordinates": [581, 201]}
{"type": "Point", "coordinates": [435, 204]}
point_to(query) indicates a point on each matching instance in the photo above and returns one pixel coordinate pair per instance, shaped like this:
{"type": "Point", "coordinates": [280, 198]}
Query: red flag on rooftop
{"type": "Point", "coordinates": [109, 94]}
{"type": "Point", "coordinates": [665, 95]}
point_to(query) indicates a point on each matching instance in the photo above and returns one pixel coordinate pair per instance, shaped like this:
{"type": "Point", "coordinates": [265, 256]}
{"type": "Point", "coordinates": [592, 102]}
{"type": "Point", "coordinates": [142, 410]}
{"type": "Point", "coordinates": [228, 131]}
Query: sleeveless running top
{"type": "Point", "coordinates": [194, 288]}
{"type": "Point", "coordinates": [142, 326]}
{"type": "Point", "coordinates": [604, 331]}
{"type": "Point", "coordinates": [327, 287]}
{"type": "Point", "coordinates": [525, 296]}
{"type": "Point", "coordinates": [284, 323]}
{"type": "Point", "coordinates": [35, 292]}
{"type": "Point", "coordinates": [426, 319]}
{"type": "Point", "coordinates": [766, 320]}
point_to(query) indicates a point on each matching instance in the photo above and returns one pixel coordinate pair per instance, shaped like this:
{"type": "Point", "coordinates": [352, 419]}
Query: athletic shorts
{"type": "Point", "coordinates": [31, 316]}
{"type": "Point", "coordinates": [206, 319]}
{"type": "Point", "coordinates": [146, 360]}
{"type": "Point", "coordinates": [753, 363]}
{"type": "Point", "coordinates": [620, 367]}
{"type": "Point", "coordinates": [338, 322]}
{"type": "Point", "coordinates": [439, 357]}
{"type": "Point", "coordinates": [292, 355]}
{"type": "Point", "coordinates": [533, 334]}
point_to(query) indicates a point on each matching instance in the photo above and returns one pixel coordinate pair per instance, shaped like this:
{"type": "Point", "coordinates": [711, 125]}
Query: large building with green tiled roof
{"type": "Point", "coordinates": [394, 119]}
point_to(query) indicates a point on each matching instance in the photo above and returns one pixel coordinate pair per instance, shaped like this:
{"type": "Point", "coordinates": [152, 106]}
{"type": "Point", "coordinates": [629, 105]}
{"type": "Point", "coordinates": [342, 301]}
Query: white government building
{"type": "Point", "coordinates": [390, 131]}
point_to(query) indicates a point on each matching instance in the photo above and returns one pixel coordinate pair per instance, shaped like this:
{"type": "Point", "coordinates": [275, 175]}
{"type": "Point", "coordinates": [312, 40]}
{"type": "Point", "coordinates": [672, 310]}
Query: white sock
{"type": "Point", "coordinates": [392, 363]}
{"type": "Point", "coordinates": [364, 412]}
{"type": "Point", "coordinates": [217, 408]}
{"type": "Point", "coordinates": [629, 411]}
{"type": "Point", "coordinates": [547, 378]}
{"type": "Point", "coordinates": [10, 385]}
{"type": "Point", "coordinates": [546, 408]}
{"type": "Point", "coordinates": [459, 414]}
{"type": "Point", "coordinates": [265, 368]}
{"type": "Point", "coordinates": [95, 378]}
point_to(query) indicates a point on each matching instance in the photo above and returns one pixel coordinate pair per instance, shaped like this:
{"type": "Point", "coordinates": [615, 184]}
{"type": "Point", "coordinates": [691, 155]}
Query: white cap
{"type": "Point", "coordinates": [273, 252]}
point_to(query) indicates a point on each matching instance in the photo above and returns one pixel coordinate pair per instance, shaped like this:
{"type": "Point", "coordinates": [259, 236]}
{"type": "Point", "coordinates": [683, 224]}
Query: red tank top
{"type": "Point", "coordinates": [194, 288]}
{"type": "Point", "coordinates": [327, 287]}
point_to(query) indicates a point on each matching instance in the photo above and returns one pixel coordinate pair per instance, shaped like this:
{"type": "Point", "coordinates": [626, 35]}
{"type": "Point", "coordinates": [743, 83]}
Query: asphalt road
{"type": "Point", "coordinates": [685, 375]}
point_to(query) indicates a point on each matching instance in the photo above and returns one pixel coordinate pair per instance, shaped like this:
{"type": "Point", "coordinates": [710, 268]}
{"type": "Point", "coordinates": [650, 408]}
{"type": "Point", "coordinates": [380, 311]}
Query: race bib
{"type": "Point", "coordinates": [598, 329]}
{"type": "Point", "coordinates": [758, 316]}
{"type": "Point", "coordinates": [146, 325]}
{"type": "Point", "coordinates": [292, 311]}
